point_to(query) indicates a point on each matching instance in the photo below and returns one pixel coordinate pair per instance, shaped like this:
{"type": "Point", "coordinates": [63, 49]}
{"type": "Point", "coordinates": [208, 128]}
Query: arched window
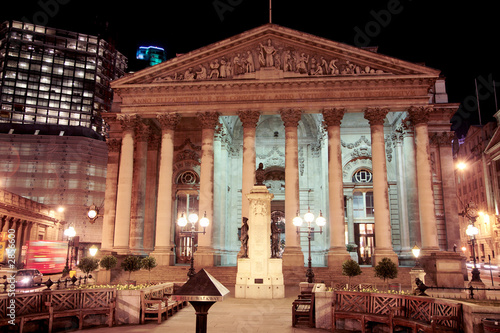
{"type": "Point", "coordinates": [362, 176]}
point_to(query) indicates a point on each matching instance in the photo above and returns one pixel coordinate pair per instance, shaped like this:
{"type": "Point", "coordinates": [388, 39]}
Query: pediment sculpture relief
{"type": "Point", "coordinates": [270, 54]}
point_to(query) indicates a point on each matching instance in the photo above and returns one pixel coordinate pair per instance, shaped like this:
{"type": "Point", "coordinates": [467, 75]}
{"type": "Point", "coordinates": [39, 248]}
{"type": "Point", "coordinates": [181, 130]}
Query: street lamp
{"type": "Point", "coordinates": [309, 218]}
{"type": "Point", "coordinates": [93, 213]}
{"type": "Point", "coordinates": [192, 218]}
{"type": "Point", "coordinates": [416, 253]}
{"type": "Point", "coordinates": [472, 231]}
{"type": "Point", "coordinates": [93, 250]}
{"type": "Point", "coordinates": [70, 233]}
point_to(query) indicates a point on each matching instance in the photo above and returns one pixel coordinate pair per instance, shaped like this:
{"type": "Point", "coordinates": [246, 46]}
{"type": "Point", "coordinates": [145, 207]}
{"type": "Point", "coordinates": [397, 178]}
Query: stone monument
{"type": "Point", "coordinates": [259, 276]}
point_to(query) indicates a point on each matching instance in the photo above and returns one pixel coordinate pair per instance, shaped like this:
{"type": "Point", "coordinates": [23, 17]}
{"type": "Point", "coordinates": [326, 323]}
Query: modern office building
{"type": "Point", "coordinates": [55, 77]}
{"type": "Point", "coordinates": [54, 89]}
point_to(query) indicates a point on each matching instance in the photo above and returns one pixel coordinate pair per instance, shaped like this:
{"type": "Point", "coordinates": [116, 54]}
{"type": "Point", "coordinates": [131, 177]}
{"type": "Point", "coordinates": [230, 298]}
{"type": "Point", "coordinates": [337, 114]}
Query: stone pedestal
{"type": "Point", "coordinates": [259, 276]}
{"type": "Point", "coordinates": [444, 269]}
{"type": "Point", "coordinates": [416, 273]}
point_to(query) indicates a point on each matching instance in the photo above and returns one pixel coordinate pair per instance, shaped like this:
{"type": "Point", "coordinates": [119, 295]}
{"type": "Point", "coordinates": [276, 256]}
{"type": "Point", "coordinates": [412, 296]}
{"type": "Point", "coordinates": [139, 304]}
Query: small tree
{"type": "Point", "coordinates": [108, 262]}
{"type": "Point", "coordinates": [88, 264]}
{"type": "Point", "coordinates": [149, 263]}
{"type": "Point", "coordinates": [386, 269]}
{"type": "Point", "coordinates": [131, 264]}
{"type": "Point", "coordinates": [350, 268]}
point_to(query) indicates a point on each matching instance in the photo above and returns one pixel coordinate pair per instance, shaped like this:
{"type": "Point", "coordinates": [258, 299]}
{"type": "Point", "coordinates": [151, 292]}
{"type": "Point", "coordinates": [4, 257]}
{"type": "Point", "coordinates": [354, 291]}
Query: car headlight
{"type": "Point", "coordinates": [25, 280]}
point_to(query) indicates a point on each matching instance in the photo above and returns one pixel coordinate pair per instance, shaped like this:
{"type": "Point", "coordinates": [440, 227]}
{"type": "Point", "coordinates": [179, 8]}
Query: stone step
{"type": "Point", "coordinates": [292, 276]}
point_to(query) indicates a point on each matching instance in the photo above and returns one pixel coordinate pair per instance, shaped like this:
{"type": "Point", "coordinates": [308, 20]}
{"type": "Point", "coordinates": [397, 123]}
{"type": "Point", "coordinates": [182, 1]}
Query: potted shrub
{"type": "Point", "coordinates": [88, 264]}
{"type": "Point", "coordinates": [386, 269]}
{"type": "Point", "coordinates": [149, 263]}
{"type": "Point", "coordinates": [107, 262]}
{"type": "Point", "coordinates": [350, 268]}
{"type": "Point", "coordinates": [131, 264]}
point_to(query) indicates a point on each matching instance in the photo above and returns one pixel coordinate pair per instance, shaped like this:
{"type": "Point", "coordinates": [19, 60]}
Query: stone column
{"type": "Point", "coordinates": [249, 120]}
{"type": "Point", "coordinates": [151, 186]}
{"type": "Point", "coordinates": [337, 253]}
{"type": "Point", "coordinates": [163, 243]}
{"type": "Point", "coordinates": [419, 117]}
{"type": "Point", "coordinates": [397, 138]}
{"type": "Point", "coordinates": [204, 256]}
{"type": "Point", "coordinates": [350, 217]}
{"type": "Point", "coordinates": [124, 192]}
{"type": "Point", "coordinates": [108, 220]}
{"type": "Point", "coordinates": [292, 255]}
{"type": "Point", "coordinates": [139, 189]}
{"type": "Point", "coordinates": [383, 239]}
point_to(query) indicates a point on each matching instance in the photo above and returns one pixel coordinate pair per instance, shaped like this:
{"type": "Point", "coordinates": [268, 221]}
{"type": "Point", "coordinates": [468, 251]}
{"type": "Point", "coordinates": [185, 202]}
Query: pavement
{"type": "Point", "coordinates": [231, 315]}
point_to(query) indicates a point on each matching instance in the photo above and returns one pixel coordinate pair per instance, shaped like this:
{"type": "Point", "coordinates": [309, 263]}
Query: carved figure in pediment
{"type": "Point", "coordinates": [324, 66]}
{"type": "Point", "coordinates": [302, 62]}
{"type": "Point", "coordinates": [249, 63]}
{"type": "Point", "coordinates": [189, 74]}
{"type": "Point", "coordinates": [214, 66]}
{"type": "Point", "coordinates": [288, 61]}
{"type": "Point", "coordinates": [333, 68]}
{"type": "Point", "coordinates": [202, 73]}
{"type": "Point", "coordinates": [223, 66]}
{"type": "Point", "coordinates": [266, 55]}
{"type": "Point", "coordinates": [237, 65]}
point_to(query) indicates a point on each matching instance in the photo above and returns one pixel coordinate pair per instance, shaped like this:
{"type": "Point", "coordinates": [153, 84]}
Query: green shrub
{"type": "Point", "coordinates": [386, 269]}
{"type": "Point", "coordinates": [131, 264]}
{"type": "Point", "coordinates": [88, 264]}
{"type": "Point", "coordinates": [149, 263]}
{"type": "Point", "coordinates": [108, 262]}
{"type": "Point", "coordinates": [350, 268]}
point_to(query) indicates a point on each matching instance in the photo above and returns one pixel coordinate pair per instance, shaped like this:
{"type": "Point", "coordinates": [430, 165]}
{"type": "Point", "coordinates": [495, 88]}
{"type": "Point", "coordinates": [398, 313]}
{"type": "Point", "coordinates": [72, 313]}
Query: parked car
{"type": "Point", "coordinates": [28, 277]}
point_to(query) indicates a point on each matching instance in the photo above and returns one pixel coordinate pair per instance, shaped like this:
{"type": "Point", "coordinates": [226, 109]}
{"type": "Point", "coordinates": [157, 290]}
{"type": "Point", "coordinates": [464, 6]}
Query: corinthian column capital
{"type": "Point", "coordinates": [128, 121]}
{"type": "Point", "coordinates": [333, 116]}
{"type": "Point", "coordinates": [209, 120]}
{"type": "Point", "coordinates": [419, 114]}
{"type": "Point", "coordinates": [291, 117]}
{"type": "Point", "coordinates": [249, 118]}
{"type": "Point", "coordinates": [376, 116]}
{"type": "Point", "coordinates": [168, 120]}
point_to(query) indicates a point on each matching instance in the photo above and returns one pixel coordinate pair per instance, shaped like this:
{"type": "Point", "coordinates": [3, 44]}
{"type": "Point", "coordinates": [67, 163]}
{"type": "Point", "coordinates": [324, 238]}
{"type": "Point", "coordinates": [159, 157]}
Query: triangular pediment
{"type": "Point", "coordinates": [273, 52]}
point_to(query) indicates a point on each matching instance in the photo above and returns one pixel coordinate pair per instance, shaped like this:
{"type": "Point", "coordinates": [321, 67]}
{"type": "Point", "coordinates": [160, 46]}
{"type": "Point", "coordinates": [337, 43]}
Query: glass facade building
{"type": "Point", "coordinates": [55, 77]}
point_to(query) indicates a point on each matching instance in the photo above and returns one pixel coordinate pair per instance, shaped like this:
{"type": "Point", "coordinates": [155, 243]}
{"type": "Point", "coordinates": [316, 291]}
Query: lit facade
{"type": "Point", "coordinates": [477, 181]}
{"type": "Point", "coordinates": [361, 137]}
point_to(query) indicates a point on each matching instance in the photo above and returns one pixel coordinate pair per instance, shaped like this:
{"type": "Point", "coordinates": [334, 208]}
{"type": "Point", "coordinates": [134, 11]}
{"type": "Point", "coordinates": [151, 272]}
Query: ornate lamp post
{"type": "Point", "coordinates": [193, 218]}
{"type": "Point", "coordinates": [70, 233]}
{"type": "Point", "coordinates": [472, 231]}
{"type": "Point", "coordinates": [309, 218]}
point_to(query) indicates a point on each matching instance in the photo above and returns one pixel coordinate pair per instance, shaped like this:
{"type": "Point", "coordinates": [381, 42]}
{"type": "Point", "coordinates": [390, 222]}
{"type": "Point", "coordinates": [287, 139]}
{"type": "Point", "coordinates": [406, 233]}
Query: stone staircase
{"type": "Point", "coordinates": [292, 276]}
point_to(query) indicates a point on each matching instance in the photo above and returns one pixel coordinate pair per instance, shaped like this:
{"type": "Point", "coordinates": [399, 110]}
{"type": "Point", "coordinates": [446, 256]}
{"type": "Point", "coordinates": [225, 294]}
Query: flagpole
{"type": "Point", "coordinates": [477, 100]}
{"type": "Point", "coordinates": [270, 11]}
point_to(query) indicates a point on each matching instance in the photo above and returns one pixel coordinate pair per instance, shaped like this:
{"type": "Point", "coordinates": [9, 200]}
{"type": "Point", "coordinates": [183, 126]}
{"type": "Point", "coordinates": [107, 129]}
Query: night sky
{"type": "Point", "coordinates": [459, 38]}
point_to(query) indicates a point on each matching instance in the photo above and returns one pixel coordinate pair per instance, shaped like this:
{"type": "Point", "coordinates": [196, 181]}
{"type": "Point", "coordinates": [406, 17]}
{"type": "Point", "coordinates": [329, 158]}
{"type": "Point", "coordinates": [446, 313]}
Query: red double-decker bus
{"type": "Point", "coordinates": [46, 256]}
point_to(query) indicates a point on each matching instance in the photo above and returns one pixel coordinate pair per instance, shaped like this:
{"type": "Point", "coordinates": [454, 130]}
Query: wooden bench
{"type": "Point", "coordinates": [157, 302]}
{"type": "Point", "coordinates": [421, 314]}
{"type": "Point", "coordinates": [303, 310]}
{"type": "Point", "coordinates": [50, 305]}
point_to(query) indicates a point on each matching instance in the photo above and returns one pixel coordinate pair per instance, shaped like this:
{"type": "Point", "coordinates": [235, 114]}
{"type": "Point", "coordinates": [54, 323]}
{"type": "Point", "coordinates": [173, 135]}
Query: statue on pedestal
{"type": "Point", "coordinates": [244, 239]}
{"type": "Point", "coordinates": [275, 240]}
{"type": "Point", "coordinates": [259, 175]}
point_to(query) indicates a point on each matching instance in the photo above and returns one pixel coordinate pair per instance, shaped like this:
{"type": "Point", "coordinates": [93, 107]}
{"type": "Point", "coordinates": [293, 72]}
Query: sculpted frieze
{"type": "Point", "coordinates": [293, 60]}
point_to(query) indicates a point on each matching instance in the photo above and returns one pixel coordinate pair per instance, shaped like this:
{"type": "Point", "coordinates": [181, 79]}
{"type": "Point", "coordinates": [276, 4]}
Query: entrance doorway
{"type": "Point", "coordinates": [187, 202]}
{"type": "Point", "coordinates": [364, 234]}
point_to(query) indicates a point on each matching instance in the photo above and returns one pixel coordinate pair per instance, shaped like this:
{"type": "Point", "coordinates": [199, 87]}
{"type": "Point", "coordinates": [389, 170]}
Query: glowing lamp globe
{"type": "Point", "coordinates": [320, 221]}
{"type": "Point", "coordinates": [182, 221]}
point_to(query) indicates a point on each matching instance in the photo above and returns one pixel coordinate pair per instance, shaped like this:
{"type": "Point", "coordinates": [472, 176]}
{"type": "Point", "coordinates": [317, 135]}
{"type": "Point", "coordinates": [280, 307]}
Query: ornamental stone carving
{"type": "Point", "coordinates": [128, 122]}
{"type": "Point", "coordinates": [142, 132]}
{"type": "Point", "coordinates": [419, 115]}
{"type": "Point", "coordinates": [249, 119]}
{"type": "Point", "coordinates": [441, 139]}
{"type": "Point", "coordinates": [291, 117]}
{"type": "Point", "coordinates": [333, 116]}
{"type": "Point", "coordinates": [114, 145]}
{"type": "Point", "coordinates": [271, 54]}
{"type": "Point", "coordinates": [208, 120]}
{"type": "Point", "coordinates": [168, 120]}
{"type": "Point", "coordinates": [376, 116]}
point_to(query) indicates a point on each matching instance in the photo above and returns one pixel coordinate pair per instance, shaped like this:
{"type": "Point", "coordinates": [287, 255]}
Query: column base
{"type": "Point", "coordinates": [204, 257]}
{"type": "Point", "coordinates": [122, 250]}
{"type": "Point", "coordinates": [336, 256]}
{"type": "Point", "coordinates": [380, 254]}
{"type": "Point", "coordinates": [293, 256]}
{"type": "Point", "coordinates": [163, 258]}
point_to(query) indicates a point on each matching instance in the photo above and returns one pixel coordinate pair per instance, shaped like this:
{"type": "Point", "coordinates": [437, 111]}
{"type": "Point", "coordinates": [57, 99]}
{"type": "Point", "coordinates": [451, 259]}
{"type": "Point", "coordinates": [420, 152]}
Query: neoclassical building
{"type": "Point", "coordinates": [361, 137]}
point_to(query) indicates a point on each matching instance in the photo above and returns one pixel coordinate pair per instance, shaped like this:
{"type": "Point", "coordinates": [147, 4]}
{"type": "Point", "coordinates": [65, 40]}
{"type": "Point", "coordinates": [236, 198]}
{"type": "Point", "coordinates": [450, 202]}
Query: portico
{"type": "Point", "coordinates": [315, 112]}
